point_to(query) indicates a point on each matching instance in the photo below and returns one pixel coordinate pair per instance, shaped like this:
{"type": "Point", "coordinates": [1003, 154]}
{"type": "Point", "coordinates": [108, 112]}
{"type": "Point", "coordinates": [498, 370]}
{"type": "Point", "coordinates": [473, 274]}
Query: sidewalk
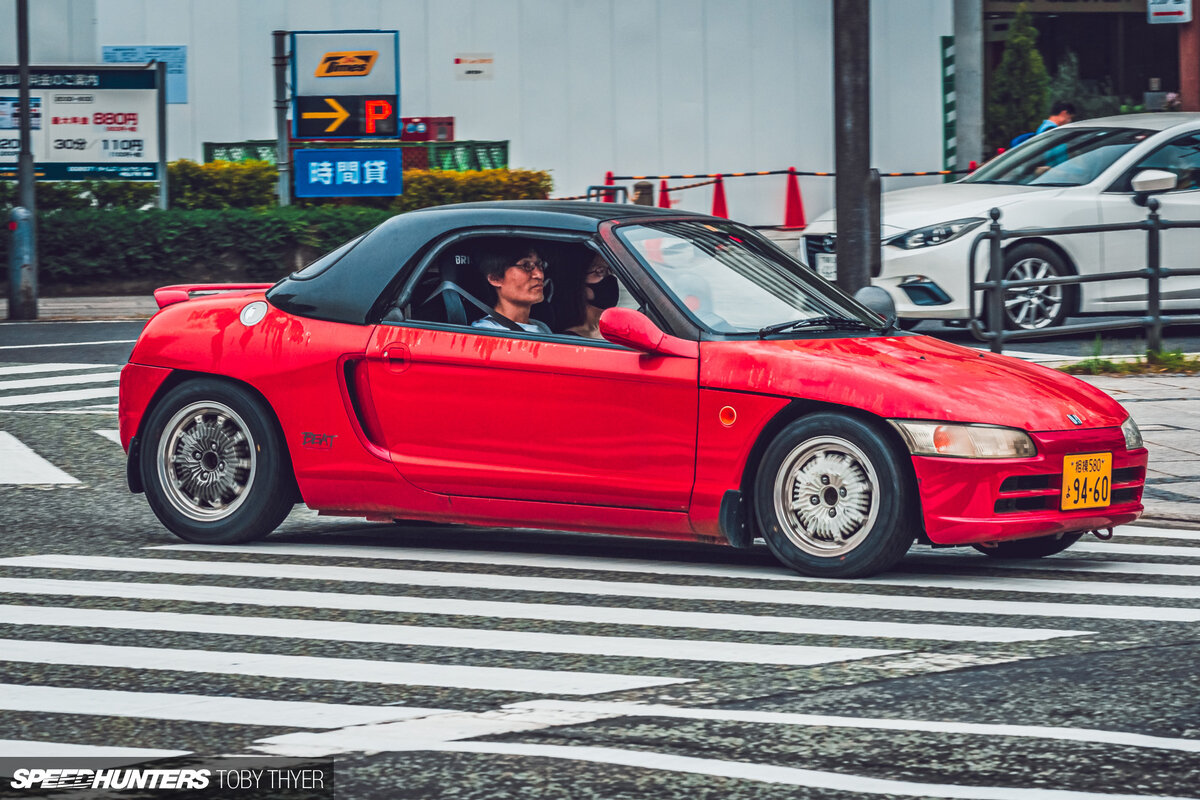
{"type": "Point", "coordinates": [1166, 407]}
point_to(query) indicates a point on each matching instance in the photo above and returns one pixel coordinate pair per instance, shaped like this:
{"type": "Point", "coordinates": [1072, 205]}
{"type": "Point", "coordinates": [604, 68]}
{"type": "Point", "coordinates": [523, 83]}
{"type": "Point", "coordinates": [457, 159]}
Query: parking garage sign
{"type": "Point", "coordinates": [346, 172]}
{"type": "Point", "coordinates": [346, 84]}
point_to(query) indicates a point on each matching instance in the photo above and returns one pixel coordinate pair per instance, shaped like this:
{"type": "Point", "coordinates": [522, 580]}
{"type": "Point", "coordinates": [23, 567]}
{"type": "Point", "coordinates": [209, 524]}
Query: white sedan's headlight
{"type": "Point", "coordinates": [935, 234]}
{"type": "Point", "coordinates": [963, 440]}
{"type": "Point", "coordinates": [1133, 436]}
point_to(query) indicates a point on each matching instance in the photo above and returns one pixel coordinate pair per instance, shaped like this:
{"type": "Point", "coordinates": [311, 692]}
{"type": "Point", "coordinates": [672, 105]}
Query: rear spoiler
{"type": "Point", "coordinates": [182, 292]}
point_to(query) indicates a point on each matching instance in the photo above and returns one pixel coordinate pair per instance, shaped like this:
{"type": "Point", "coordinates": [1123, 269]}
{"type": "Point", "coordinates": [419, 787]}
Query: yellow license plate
{"type": "Point", "coordinates": [1087, 481]}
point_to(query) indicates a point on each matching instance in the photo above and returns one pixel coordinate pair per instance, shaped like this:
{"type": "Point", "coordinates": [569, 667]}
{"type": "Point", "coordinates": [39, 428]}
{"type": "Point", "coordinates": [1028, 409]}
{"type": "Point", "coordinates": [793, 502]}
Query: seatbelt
{"type": "Point", "coordinates": [503, 321]}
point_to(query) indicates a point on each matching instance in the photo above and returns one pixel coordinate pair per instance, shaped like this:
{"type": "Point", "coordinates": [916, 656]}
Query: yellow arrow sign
{"type": "Point", "coordinates": [338, 115]}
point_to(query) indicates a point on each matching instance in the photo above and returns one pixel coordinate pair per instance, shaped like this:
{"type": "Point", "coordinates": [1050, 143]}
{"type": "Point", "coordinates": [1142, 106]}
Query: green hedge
{"type": "Point", "coordinates": [252, 184]}
{"type": "Point", "coordinates": [223, 225]}
{"type": "Point", "coordinates": [88, 246]}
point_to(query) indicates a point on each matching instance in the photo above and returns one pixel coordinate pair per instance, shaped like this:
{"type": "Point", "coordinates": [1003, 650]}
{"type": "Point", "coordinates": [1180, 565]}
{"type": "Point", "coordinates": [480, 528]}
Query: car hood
{"type": "Point", "coordinates": [910, 377]}
{"type": "Point", "coordinates": [906, 209]}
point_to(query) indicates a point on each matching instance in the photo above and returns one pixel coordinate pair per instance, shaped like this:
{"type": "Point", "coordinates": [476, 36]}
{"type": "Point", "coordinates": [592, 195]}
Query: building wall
{"type": "Point", "coordinates": [580, 86]}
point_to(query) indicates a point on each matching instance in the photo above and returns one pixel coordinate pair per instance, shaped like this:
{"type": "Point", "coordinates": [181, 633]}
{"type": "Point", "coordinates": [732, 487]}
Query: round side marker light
{"type": "Point", "coordinates": [727, 416]}
{"type": "Point", "coordinates": [253, 313]}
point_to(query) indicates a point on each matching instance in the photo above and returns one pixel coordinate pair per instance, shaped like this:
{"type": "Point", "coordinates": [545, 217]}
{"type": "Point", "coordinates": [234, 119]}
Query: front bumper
{"type": "Point", "coordinates": [967, 501]}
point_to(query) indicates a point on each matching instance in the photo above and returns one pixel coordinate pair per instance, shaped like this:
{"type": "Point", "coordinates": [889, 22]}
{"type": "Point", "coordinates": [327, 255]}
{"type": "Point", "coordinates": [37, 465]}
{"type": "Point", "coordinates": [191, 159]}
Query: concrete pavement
{"type": "Point", "coordinates": [1166, 407]}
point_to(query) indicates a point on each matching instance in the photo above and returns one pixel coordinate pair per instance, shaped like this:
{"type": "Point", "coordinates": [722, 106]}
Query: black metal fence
{"type": "Point", "coordinates": [992, 328]}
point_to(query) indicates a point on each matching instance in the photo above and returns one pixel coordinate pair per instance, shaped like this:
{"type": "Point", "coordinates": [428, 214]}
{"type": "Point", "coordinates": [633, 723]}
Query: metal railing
{"type": "Point", "coordinates": [996, 286]}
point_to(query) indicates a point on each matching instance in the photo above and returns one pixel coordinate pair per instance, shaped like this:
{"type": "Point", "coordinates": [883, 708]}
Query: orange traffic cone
{"type": "Point", "coordinates": [608, 181]}
{"type": "Point", "coordinates": [664, 195]}
{"type": "Point", "coordinates": [793, 210]}
{"type": "Point", "coordinates": [719, 209]}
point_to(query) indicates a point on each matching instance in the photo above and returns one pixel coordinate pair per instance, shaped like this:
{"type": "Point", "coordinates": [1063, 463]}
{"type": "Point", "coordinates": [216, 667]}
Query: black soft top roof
{"type": "Point", "coordinates": [349, 288]}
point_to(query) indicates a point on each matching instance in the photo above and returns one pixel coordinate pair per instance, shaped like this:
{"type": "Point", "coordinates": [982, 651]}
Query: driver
{"type": "Point", "coordinates": [518, 276]}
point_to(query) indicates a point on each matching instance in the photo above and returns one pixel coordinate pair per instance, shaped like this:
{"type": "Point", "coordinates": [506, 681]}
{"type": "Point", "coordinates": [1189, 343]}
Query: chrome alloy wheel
{"type": "Point", "coordinates": [206, 461]}
{"type": "Point", "coordinates": [826, 496]}
{"type": "Point", "coordinates": [1032, 307]}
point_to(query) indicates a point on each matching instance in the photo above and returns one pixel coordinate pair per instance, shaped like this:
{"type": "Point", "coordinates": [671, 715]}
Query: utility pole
{"type": "Point", "coordinates": [22, 279]}
{"type": "Point", "coordinates": [282, 155]}
{"type": "Point", "coordinates": [857, 232]}
{"type": "Point", "coordinates": [968, 82]}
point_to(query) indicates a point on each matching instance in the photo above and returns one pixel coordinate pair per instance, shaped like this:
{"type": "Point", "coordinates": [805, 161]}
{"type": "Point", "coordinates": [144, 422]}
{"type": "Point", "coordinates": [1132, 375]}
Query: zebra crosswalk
{"type": "Point", "coordinates": [58, 388]}
{"type": "Point", "coordinates": [323, 650]}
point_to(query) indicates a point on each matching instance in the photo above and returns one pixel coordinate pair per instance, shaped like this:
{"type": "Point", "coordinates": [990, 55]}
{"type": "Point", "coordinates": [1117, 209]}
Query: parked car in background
{"type": "Point", "coordinates": [1077, 174]}
{"type": "Point", "coordinates": [733, 395]}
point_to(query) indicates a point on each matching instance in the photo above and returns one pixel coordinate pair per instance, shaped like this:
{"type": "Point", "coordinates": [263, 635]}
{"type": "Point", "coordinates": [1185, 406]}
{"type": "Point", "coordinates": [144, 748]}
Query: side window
{"type": "Point", "coordinates": [568, 286]}
{"type": "Point", "coordinates": [1180, 156]}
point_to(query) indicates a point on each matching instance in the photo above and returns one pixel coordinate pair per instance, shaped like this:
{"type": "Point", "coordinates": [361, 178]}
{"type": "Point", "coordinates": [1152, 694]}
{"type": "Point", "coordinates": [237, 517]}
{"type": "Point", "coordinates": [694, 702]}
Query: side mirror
{"type": "Point", "coordinates": [879, 301]}
{"type": "Point", "coordinates": [633, 329]}
{"type": "Point", "coordinates": [1152, 181]}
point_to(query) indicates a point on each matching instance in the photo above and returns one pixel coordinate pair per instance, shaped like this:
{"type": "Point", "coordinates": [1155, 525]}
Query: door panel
{"type": "Point", "coordinates": [505, 416]}
{"type": "Point", "coordinates": [1124, 250]}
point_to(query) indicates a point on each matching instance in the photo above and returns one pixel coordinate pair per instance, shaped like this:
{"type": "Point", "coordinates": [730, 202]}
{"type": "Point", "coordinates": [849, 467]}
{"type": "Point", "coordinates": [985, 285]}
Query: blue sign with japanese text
{"type": "Point", "coordinates": [348, 172]}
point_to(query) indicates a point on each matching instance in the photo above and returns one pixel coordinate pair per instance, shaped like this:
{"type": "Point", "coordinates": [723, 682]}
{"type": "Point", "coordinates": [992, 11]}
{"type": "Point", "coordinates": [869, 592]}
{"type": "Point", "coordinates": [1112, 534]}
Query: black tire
{"type": "Point", "coordinates": [214, 465]}
{"type": "Point", "coordinates": [1037, 307]}
{"type": "Point", "coordinates": [857, 476]}
{"type": "Point", "coordinates": [1040, 547]}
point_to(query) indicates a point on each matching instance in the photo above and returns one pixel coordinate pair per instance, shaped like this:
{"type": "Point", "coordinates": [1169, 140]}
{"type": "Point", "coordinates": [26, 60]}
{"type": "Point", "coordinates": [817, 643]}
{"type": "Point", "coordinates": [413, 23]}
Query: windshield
{"type": "Point", "coordinates": [1060, 157]}
{"type": "Point", "coordinates": [729, 281]}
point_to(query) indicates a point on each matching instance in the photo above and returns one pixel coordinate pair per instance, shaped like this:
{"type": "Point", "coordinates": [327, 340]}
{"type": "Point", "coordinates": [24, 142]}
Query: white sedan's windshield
{"type": "Point", "coordinates": [1060, 157]}
{"type": "Point", "coordinates": [731, 282]}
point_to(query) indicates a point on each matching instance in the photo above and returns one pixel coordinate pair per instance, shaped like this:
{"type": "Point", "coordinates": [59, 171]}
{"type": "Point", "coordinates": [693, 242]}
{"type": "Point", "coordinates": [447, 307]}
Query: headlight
{"type": "Point", "coordinates": [1133, 436]}
{"type": "Point", "coordinates": [964, 441]}
{"type": "Point", "coordinates": [935, 234]}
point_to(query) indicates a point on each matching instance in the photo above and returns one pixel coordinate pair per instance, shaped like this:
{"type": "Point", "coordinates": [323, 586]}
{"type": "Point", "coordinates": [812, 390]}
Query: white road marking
{"type": "Point", "coordinates": [16, 748]}
{"type": "Point", "coordinates": [112, 436]}
{"type": "Point", "coordinates": [57, 397]}
{"type": "Point", "coordinates": [600, 615]}
{"type": "Point", "coordinates": [768, 773]}
{"type": "Point", "coordinates": [859, 598]}
{"type": "Point", "coordinates": [499, 679]}
{"type": "Point", "coordinates": [20, 466]}
{"type": "Point", "coordinates": [766, 572]}
{"type": "Point", "coordinates": [1157, 533]}
{"type": "Point", "coordinates": [420, 636]}
{"type": "Point", "coordinates": [64, 344]}
{"type": "Point", "coordinates": [1123, 549]}
{"type": "Point", "coordinates": [29, 369]}
{"type": "Point", "coordinates": [1118, 738]}
{"type": "Point", "coordinates": [1065, 563]}
{"type": "Point", "coordinates": [200, 708]}
{"type": "Point", "coordinates": [59, 380]}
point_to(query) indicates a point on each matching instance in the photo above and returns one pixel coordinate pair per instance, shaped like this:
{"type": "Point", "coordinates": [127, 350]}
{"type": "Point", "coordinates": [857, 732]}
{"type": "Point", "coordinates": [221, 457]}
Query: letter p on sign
{"type": "Point", "coordinates": [373, 112]}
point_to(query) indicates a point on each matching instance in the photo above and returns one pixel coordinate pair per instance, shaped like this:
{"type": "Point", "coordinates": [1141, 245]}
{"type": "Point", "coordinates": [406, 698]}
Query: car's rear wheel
{"type": "Point", "coordinates": [214, 465]}
{"type": "Point", "coordinates": [1040, 547]}
{"type": "Point", "coordinates": [1036, 307]}
{"type": "Point", "coordinates": [833, 498]}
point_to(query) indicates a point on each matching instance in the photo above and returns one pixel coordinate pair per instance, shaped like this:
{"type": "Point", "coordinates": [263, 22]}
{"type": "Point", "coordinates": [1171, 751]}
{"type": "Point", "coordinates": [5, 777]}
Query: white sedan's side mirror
{"type": "Point", "coordinates": [1152, 181]}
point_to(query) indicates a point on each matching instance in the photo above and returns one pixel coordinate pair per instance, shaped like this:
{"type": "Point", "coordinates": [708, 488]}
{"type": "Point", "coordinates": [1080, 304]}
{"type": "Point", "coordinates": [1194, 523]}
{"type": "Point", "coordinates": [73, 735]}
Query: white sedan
{"type": "Point", "coordinates": [1078, 174]}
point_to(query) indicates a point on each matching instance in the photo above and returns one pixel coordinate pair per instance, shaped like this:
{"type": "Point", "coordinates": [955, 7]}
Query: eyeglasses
{"type": "Point", "coordinates": [530, 264]}
{"type": "Point", "coordinates": [601, 271]}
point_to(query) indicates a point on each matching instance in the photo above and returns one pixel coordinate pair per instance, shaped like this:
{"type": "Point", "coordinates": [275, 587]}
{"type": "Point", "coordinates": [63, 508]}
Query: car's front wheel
{"type": "Point", "coordinates": [214, 465]}
{"type": "Point", "coordinates": [1040, 547]}
{"type": "Point", "coordinates": [833, 499]}
{"type": "Point", "coordinates": [1036, 307]}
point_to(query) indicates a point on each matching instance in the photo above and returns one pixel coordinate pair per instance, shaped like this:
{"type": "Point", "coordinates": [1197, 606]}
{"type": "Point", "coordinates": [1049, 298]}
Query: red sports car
{"type": "Point", "coordinates": [614, 368]}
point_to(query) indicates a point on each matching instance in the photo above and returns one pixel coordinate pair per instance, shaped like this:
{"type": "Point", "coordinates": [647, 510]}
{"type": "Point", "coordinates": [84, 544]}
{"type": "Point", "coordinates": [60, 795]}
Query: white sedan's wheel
{"type": "Point", "coordinates": [834, 497]}
{"type": "Point", "coordinates": [1036, 307]}
{"type": "Point", "coordinates": [214, 465]}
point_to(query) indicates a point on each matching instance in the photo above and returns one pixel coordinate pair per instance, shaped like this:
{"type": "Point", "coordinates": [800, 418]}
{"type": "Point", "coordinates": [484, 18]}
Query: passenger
{"type": "Point", "coordinates": [598, 290]}
{"type": "Point", "coordinates": [519, 278]}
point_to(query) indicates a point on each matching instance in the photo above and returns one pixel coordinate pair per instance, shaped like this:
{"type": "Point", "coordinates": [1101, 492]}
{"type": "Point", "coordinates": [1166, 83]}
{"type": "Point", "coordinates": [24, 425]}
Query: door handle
{"type": "Point", "coordinates": [396, 357]}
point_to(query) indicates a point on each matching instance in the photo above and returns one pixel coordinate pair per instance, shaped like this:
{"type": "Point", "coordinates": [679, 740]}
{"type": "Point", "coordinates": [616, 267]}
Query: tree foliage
{"type": "Point", "coordinates": [1019, 92]}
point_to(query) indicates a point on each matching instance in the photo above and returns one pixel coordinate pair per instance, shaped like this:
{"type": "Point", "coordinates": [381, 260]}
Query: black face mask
{"type": "Point", "coordinates": [605, 293]}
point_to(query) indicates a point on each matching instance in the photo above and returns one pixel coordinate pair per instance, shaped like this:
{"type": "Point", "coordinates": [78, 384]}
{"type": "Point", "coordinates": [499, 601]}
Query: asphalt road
{"type": "Point", "coordinates": [470, 663]}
